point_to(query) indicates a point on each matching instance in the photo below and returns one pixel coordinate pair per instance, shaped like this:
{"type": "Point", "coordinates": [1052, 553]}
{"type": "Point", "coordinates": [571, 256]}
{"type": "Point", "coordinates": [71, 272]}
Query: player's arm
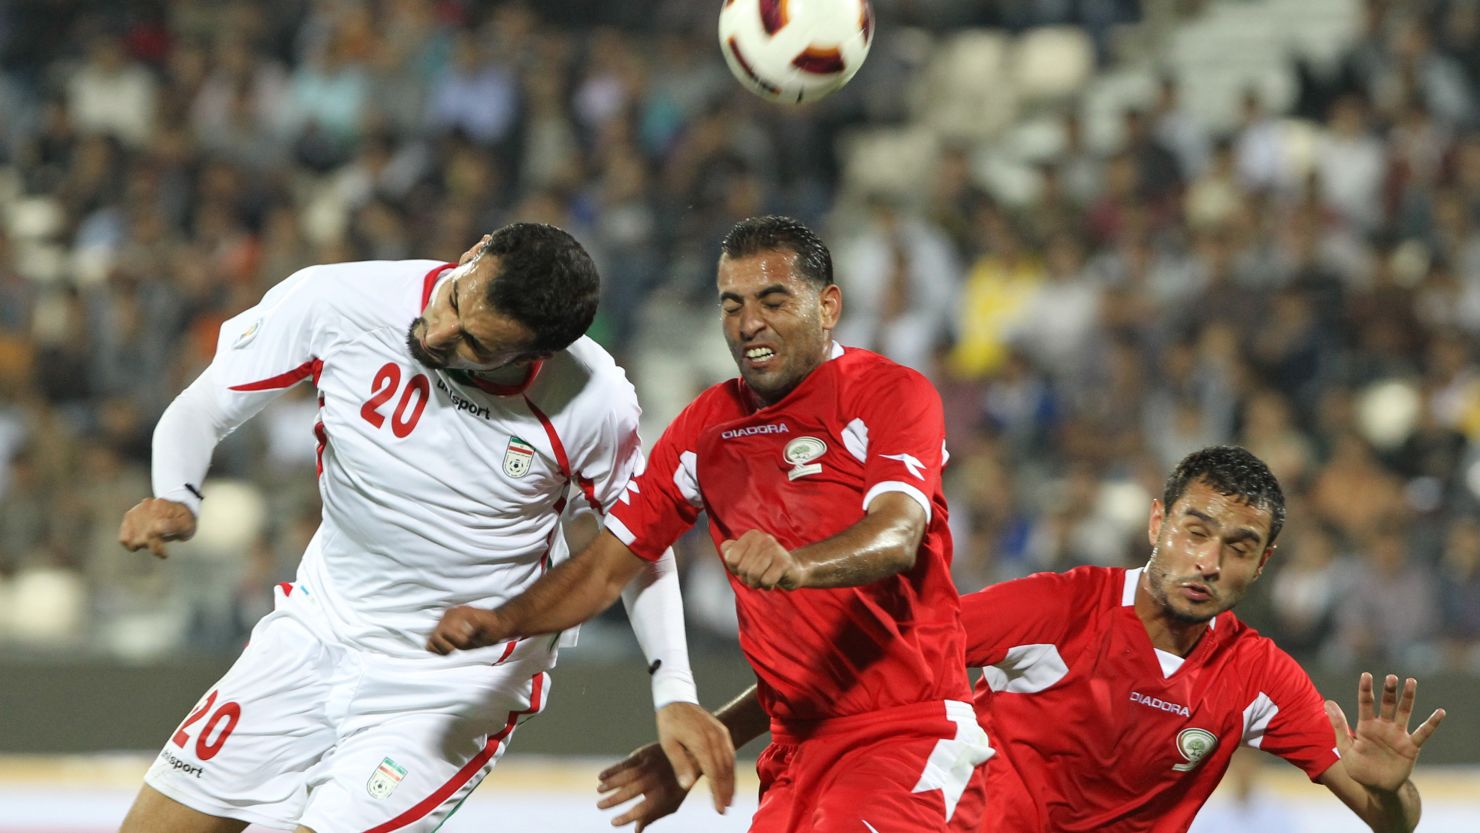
{"type": "Point", "coordinates": [572, 592]}
{"type": "Point", "coordinates": [880, 545]}
{"type": "Point", "coordinates": [1377, 760]}
{"type": "Point", "coordinates": [260, 353]}
{"type": "Point", "coordinates": [646, 773]}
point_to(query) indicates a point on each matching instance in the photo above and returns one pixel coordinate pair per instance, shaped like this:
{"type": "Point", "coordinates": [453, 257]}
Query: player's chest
{"type": "Point", "coordinates": [797, 457]}
{"type": "Point", "coordinates": [1161, 723]}
{"type": "Point", "coordinates": [385, 414]}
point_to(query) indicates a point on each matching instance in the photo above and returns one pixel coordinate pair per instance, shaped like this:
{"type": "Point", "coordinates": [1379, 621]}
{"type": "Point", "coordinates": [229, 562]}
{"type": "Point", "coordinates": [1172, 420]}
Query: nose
{"type": "Point", "coordinates": [752, 322]}
{"type": "Point", "coordinates": [441, 332]}
{"type": "Point", "coordinates": [1208, 559]}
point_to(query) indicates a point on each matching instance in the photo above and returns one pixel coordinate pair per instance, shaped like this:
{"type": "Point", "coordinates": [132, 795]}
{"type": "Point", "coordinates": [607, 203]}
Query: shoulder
{"type": "Point", "coordinates": [1258, 656]}
{"type": "Point", "coordinates": [367, 290]}
{"type": "Point", "coordinates": [869, 374]}
{"type": "Point", "coordinates": [585, 378]}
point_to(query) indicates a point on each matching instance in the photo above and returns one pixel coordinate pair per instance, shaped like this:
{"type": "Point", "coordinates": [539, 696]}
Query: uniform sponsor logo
{"type": "Point", "coordinates": [385, 778]}
{"type": "Point", "coordinates": [183, 767]}
{"type": "Point", "coordinates": [800, 453]}
{"type": "Point", "coordinates": [517, 457]}
{"type": "Point", "coordinates": [752, 430]}
{"type": "Point", "coordinates": [1194, 744]}
{"type": "Point", "coordinates": [1155, 703]}
{"type": "Point", "coordinates": [248, 334]}
{"type": "Point", "coordinates": [463, 404]}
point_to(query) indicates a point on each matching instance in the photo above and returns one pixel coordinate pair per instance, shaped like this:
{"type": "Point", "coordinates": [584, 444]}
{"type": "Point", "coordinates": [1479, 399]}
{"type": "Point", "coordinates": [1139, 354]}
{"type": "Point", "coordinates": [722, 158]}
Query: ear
{"type": "Point", "coordinates": [831, 302]}
{"type": "Point", "coordinates": [1153, 526]}
{"type": "Point", "coordinates": [1263, 560]}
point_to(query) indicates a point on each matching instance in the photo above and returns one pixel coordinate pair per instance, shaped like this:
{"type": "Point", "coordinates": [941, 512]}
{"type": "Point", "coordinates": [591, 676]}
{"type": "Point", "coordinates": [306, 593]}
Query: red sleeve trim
{"type": "Point", "coordinates": [312, 367]}
{"type": "Point", "coordinates": [471, 768]}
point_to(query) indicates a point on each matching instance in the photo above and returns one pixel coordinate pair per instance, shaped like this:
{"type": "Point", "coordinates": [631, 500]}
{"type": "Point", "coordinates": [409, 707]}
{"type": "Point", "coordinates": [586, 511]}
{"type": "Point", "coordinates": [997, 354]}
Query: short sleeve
{"type": "Point", "coordinates": [1287, 717]}
{"type": "Point", "coordinates": [662, 500]}
{"type": "Point", "coordinates": [276, 344]}
{"type": "Point", "coordinates": [899, 433]}
{"type": "Point", "coordinates": [612, 453]}
{"type": "Point", "coordinates": [1021, 612]}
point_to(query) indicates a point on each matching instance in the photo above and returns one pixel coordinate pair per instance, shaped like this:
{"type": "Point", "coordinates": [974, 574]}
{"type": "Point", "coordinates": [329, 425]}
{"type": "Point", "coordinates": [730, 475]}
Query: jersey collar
{"type": "Point", "coordinates": [430, 282]}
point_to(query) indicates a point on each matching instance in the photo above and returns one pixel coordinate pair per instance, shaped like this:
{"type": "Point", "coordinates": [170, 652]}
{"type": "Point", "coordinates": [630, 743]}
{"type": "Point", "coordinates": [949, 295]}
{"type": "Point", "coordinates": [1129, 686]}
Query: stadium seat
{"type": "Point", "coordinates": [1051, 63]}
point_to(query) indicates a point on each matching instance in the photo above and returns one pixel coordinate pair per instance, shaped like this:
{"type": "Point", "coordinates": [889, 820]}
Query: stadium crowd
{"type": "Point", "coordinates": [1304, 282]}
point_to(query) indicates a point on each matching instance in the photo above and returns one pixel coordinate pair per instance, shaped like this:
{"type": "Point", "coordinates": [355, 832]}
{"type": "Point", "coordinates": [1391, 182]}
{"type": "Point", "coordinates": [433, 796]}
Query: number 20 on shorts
{"type": "Point", "coordinates": [221, 724]}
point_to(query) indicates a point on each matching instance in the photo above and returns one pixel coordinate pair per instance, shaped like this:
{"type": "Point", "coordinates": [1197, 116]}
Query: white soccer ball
{"type": "Point", "coordinates": [795, 50]}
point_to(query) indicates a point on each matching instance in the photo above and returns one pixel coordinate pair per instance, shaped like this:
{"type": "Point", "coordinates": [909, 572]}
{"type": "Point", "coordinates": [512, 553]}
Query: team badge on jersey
{"type": "Point", "coordinates": [248, 334]}
{"type": "Point", "coordinates": [517, 457]}
{"type": "Point", "coordinates": [800, 452]}
{"type": "Point", "coordinates": [1194, 744]}
{"type": "Point", "coordinates": [383, 782]}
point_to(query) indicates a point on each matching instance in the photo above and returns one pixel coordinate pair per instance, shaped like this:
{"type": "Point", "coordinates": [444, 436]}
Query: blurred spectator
{"type": "Point", "coordinates": [1460, 593]}
{"type": "Point", "coordinates": [902, 278]}
{"type": "Point", "coordinates": [1310, 580]}
{"type": "Point", "coordinates": [111, 94]}
{"type": "Point", "coordinates": [1391, 615]}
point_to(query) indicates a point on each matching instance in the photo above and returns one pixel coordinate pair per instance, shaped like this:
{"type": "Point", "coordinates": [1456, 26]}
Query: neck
{"type": "Point", "coordinates": [1168, 633]}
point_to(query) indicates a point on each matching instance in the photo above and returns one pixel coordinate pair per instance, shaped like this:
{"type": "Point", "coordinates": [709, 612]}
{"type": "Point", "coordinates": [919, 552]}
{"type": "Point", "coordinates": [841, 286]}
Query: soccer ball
{"type": "Point", "coordinates": [795, 50]}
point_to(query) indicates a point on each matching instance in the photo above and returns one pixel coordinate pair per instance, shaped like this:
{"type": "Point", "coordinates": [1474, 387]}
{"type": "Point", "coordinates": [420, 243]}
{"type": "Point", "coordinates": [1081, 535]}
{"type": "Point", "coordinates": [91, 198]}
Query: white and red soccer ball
{"type": "Point", "coordinates": [795, 50]}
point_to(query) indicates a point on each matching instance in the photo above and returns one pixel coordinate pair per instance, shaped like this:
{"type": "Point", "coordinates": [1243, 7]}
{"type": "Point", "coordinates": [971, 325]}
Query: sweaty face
{"type": "Point", "coordinates": [460, 330]}
{"type": "Point", "coordinates": [777, 323]}
{"type": "Point", "coordinates": [1208, 549]}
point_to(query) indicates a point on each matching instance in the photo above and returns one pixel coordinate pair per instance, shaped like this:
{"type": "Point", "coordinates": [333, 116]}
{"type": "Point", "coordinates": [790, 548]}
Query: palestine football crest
{"type": "Point", "coordinates": [800, 453]}
{"type": "Point", "coordinates": [1194, 744]}
{"type": "Point", "coordinates": [518, 457]}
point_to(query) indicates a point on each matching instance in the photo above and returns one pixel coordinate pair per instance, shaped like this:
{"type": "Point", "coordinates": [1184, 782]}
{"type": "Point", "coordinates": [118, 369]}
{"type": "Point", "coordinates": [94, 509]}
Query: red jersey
{"type": "Point", "coordinates": [803, 470]}
{"type": "Point", "coordinates": [1097, 730]}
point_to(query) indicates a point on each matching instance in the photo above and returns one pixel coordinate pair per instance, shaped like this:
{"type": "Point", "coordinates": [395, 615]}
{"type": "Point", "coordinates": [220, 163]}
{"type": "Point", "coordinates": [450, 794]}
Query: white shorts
{"type": "Point", "coordinates": [307, 731]}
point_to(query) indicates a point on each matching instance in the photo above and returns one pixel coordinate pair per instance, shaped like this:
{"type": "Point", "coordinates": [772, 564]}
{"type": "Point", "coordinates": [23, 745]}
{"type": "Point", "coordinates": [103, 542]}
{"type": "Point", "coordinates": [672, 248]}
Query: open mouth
{"type": "Point", "coordinates": [759, 356]}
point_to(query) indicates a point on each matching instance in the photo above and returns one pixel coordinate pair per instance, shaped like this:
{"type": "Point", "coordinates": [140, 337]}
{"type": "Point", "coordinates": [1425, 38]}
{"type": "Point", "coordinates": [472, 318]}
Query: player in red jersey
{"type": "Point", "coordinates": [1116, 698]}
{"type": "Point", "coordinates": [819, 469]}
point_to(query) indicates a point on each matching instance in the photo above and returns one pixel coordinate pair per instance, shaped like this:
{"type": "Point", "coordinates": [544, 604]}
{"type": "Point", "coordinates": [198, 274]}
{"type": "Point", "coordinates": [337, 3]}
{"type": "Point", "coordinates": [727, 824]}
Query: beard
{"type": "Point", "coordinates": [421, 354]}
{"type": "Point", "coordinates": [1160, 582]}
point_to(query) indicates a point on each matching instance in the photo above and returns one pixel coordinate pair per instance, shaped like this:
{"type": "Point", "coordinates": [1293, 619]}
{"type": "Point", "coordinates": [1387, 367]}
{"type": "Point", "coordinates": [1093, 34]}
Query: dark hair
{"type": "Point", "coordinates": [545, 281]}
{"type": "Point", "coordinates": [756, 235]}
{"type": "Point", "coordinates": [1233, 471]}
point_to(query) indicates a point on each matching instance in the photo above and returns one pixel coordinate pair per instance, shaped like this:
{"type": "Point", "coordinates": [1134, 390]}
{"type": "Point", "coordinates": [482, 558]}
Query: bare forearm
{"type": "Point", "coordinates": [744, 717]}
{"type": "Point", "coordinates": [877, 547]}
{"type": "Point", "coordinates": [1395, 812]}
{"type": "Point", "coordinates": [574, 591]}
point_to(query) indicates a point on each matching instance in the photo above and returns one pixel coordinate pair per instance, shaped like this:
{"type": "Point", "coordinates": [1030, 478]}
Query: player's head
{"type": "Point", "coordinates": [523, 292]}
{"type": "Point", "coordinates": [1212, 532]}
{"type": "Point", "coordinates": [778, 302]}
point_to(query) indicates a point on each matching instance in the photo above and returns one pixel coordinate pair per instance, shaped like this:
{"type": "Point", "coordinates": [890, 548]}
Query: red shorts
{"type": "Point", "coordinates": [910, 769]}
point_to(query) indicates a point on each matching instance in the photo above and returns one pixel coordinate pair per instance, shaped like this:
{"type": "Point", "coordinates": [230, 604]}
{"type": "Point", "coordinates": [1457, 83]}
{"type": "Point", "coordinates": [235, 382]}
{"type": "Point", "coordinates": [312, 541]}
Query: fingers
{"type": "Point", "coordinates": [1405, 702]}
{"type": "Point", "coordinates": [1421, 735]}
{"type": "Point", "coordinates": [156, 547]}
{"type": "Point", "coordinates": [1366, 703]}
{"type": "Point", "coordinates": [685, 768]}
{"type": "Point", "coordinates": [1389, 697]}
{"type": "Point", "coordinates": [464, 628]}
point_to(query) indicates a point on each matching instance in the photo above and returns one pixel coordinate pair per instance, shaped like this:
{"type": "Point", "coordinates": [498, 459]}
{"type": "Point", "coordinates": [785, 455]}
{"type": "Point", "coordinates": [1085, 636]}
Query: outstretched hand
{"type": "Point", "coordinates": [1381, 753]}
{"type": "Point", "coordinates": [464, 628]}
{"type": "Point", "coordinates": [646, 773]}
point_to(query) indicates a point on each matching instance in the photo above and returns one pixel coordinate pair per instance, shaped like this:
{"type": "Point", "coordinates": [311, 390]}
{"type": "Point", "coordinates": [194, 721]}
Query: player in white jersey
{"type": "Point", "coordinates": [449, 453]}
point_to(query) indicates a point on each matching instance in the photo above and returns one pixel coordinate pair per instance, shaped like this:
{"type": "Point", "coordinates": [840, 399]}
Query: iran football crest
{"type": "Point", "coordinates": [383, 782]}
{"type": "Point", "coordinates": [1194, 744]}
{"type": "Point", "coordinates": [517, 457]}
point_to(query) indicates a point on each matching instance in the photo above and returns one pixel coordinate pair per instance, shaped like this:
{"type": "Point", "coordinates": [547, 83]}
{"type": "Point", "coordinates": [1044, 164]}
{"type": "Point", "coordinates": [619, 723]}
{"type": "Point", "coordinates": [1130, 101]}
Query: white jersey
{"type": "Point", "coordinates": [438, 489]}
